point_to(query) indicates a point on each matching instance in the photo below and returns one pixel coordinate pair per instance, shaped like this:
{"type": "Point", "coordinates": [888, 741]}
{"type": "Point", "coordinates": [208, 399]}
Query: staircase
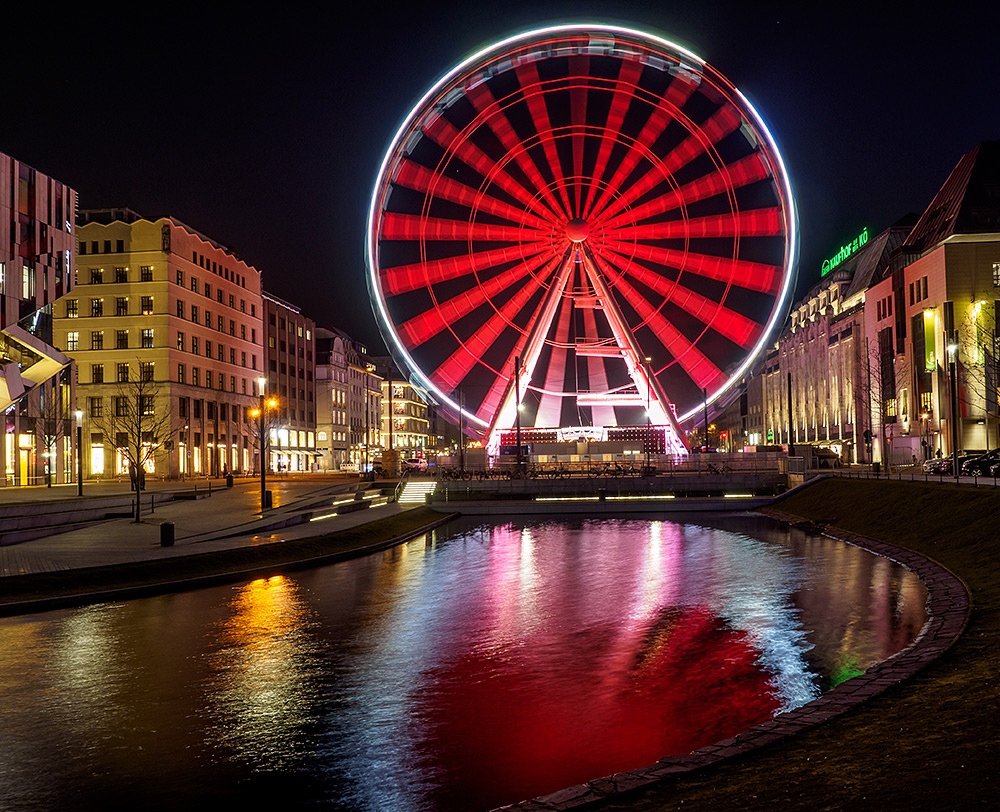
{"type": "Point", "coordinates": [415, 491]}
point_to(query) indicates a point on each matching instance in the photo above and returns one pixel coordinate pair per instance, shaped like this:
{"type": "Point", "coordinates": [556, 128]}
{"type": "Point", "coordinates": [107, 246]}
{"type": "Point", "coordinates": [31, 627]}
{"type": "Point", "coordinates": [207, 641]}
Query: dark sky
{"type": "Point", "coordinates": [264, 130]}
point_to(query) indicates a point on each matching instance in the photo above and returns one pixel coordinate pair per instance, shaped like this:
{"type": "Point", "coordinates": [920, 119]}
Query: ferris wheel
{"type": "Point", "coordinates": [582, 225]}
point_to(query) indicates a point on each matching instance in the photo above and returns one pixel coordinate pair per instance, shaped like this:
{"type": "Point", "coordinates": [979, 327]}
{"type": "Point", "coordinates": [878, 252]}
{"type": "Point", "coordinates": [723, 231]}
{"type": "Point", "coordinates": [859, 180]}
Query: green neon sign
{"type": "Point", "coordinates": [845, 251]}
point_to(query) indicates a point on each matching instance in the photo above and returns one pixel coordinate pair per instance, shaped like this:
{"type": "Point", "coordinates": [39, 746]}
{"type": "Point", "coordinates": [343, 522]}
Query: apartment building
{"type": "Point", "coordinates": [158, 303]}
{"type": "Point", "coordinates": [332, 424]}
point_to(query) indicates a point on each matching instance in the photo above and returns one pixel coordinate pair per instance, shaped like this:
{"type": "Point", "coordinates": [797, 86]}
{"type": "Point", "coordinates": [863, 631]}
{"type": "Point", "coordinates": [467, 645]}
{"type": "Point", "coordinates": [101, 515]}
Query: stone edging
{"type": "Point", "coordinates": [948, 608]}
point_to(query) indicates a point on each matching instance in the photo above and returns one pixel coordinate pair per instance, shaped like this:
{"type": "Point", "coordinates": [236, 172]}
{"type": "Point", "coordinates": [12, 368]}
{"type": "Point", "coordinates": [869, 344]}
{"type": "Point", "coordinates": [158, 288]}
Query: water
{"type": "Point", "coordinates": [476, 666]}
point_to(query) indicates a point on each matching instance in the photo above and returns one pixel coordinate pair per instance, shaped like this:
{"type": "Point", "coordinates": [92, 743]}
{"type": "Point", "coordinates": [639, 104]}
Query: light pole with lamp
{"type": "Point", "coordinates": [79, 452]}
{"type": "Point", "coordinates": [951, 344]}
{"type": "Point", "coordinates": [264, 437]}
{"type": "Point", "coordinates": [649, 417]}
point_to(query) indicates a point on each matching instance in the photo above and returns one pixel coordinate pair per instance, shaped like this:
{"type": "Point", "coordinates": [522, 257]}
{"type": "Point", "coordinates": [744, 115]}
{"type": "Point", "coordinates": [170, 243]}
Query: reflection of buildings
{"type": "Point", "coordinates": [291, 365]}
{"type": "Point", "coordinates": [158, 300]}
{"type": "Point", "coordinates": [37, 215]}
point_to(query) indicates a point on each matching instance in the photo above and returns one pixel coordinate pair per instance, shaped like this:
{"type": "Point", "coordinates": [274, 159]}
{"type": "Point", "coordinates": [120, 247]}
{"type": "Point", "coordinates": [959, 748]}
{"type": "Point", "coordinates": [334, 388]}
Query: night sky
{"type": "Point", "coordinates": [265, 130]}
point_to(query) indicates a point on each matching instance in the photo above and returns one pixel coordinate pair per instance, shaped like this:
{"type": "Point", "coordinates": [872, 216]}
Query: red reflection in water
{"type": "Point", "coordinates": [495, 721]}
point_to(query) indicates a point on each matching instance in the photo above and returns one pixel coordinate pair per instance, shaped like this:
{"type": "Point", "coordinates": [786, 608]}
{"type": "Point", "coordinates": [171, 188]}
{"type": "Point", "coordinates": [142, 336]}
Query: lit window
{"type": "Point", "coordinates": [147, 338]}
{"type": "Point", "coordinates": [146, 305]}
{"type": "Point", "coordinates": [72, 342]}
{"type": "Point", "coordinates": [122, 369]}
{"type": "Point", "coordinates": [145, 273]}
{"type": "Point", "coordinates": [72, 309]}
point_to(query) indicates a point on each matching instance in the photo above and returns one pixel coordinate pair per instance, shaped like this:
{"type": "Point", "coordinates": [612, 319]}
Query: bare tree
{"type": "Point", "coordinates": [881, 372]}
{"type": "Point", "coordinates": [137, 424]}
{"type": "Point", "coordinates": [978, 364]}
{"type": "Point", "coordinates": [53, 422]}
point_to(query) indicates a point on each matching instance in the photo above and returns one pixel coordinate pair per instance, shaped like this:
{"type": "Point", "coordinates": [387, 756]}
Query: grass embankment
{"type": "Point", "coordinates": [146, 576]}
{"type": "Point", "coordinates": [929, 743]}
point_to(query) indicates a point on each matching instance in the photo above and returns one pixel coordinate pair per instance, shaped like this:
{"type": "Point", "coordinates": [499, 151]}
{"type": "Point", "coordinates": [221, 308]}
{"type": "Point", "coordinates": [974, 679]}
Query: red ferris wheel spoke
{"type": "Point", "coordinates": [742, 173]}
{"type": "Point", "coordinates": [493, 113]}
{"type": "Point", "coordinates": [531, 88]}
{"type": "Point", "coordinates": [460, 363]}
{"type": "Point", "coordinates": [753, 223]}
{"type": "Point", "coordinates": [756, 276]}
{"type": "Point", "coordinates": [667, 110]}
{"type": "Point", "coordinates": [698, 367]}
{"type": "Point", "coordinates": [414, 227]}
{"type": "Point", "coordinates": [578, 66]}
{"type": "Point", "coordinates": [434, 184]}
{"type": "Point", "coordinates": [431, 322]}
{"type": "Point", "coordinates": [735, 326]}
{"type": "Point", "coordinates": [628, 76]}
{"type": "Point", "coordinates": [405, 278]}
{"type": "Point", "coordinates": [550, 405]}
{"type": "Point", "coordinates": [718, 126]}
{"type": "Point", "coordinates": [446, 135]}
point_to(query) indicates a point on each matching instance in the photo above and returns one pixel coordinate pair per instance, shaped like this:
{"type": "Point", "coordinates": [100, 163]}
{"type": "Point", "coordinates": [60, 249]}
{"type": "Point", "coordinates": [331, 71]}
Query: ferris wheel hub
{"type": "Point", "coordinates": [577, 230]}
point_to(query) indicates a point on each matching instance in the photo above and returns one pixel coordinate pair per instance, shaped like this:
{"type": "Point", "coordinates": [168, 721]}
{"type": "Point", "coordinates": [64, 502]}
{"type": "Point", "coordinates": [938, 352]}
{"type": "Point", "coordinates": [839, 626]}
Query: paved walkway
{"type": "Point", "coordinates": [230, 518]}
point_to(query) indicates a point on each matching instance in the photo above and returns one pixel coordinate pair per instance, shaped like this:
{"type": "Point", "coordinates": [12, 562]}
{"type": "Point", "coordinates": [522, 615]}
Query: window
{"type": "Point", "coordinates": [232, 356]}
{"type": "Point", "coordinates": [121, 274]}
{"type": "Point", "coordinates": [121, 305]}
{"type": "Point", "coordinates": [194, 284]}
{"type": "Point", "coordinates": [182, 403]}
{"type": "Point", "coordinates": [243, 332]}
{"type": "Point", "coordinates": [146, 371]}
{"type": "Point", "coordinates": [194, 380]}
{"type": "Point", "coordinates": [208, 349]}
{"type": "Point", "coordinates": [145, 273]}
{"type": "Point", "coordinates": [253, 335]}
{"type": "Point", "coordinates": [243, 359]}
{"type": "Point", "coordinates": [232, 301]}
{"type": "Point", "coordinates": [121, 339]}
{"type": "Point", "coordinates": [300, 331]}
{"type": "Point", "coordinates": [119, 246]}
{"type": "Point", "coordinates": [122, 372]}
{"type": "Point", "coordinates": [96, 407]}
{"type": "Point", "coordinates": [253, 309]}
{"type": "Point", "coordinates": [194, 313]}
{"type": "Point", "coordinates": [97, 373]}
{"type": "Point", "coordinates": [222, 324]}
{"type": "Point", "coordinates": [72, 341]}
{"type": "Point", "coordinates": [147, 338]}
{"type": "Point", "coordinates": [97, 340]}
{"type": "Point", "coordinates": [232, 327]}
{"type": "Point", "coordinates": [72, 309]}
{"type": "Point", "coordinates": [208, 378]}
{"type": "Point", "coordinates": [83, 246]}
{"type": "Point", "coordinates": [232, 383]}
{"type": "Point", "coordinates": [180, 309]}
{"type": "Point", "coordinates": [218, 295]}
{"type": "Point", "coordinates": [222, 353]}
{"type": "Point", "coordinates": [96, 276]}
{"type": "Point", "coordinates": [180, 341]}
{"type": "Point", "coordinates": [97, 307]}
{"type": "Point", "coordinates": [180, 278]}
{"type": "Point", "coordinates": [253, 361]}
{"type": "Point", "coordinates": [208, 290]}
{"type": "Point", "coordinates": [146, 305]}
{"type": "Point", "coordinates": [925, 288]}
{"type": "Point", "coordinates": [208, 318]}
{"type": "Point", "coordinates": [121, 405]}
{"type": "Point", "coordinates": [194, 344]}
{"type": "Point", "coordinates": [180, 379]}
{"type": "Point", "coordinates": [146, 404]}
{"type": "Point", "coordinates": [996, 274]}
{"type": "Point", "coordinates": [243, 302]}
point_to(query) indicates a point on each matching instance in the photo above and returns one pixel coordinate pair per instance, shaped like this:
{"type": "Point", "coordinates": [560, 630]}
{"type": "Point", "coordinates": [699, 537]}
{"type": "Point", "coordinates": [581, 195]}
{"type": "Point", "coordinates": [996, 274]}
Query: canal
{"type": "Point", "coordinates": [475, 666]}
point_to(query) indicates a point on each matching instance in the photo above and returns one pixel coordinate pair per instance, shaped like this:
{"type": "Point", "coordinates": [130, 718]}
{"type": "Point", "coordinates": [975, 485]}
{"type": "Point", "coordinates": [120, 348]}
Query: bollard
{"type": "Point", "coordinates": [152, 504]}
{"type": "Point", "coordinates": [229, 480]}
{"type": "Point", "coordinates": [167, 534]}
{"type": "Point", "coordinates": [209, 487]}
{"type": "Point", "coordinates": [267, 499]}
{"type": "Point", "coordinates": [602, 494]}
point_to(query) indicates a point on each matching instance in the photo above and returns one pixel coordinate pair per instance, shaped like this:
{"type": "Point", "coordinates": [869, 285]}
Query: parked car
{"type": "Point", "coordinates": [416, 464]}
{"type": "Point", "coordinates": [943, 466]}
{"type": "Point", "coordinates": [981, 465]}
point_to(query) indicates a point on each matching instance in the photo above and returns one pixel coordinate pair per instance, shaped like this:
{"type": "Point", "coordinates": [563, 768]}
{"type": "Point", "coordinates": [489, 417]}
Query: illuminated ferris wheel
{"type": "Point", "coordinates": [594, 206]}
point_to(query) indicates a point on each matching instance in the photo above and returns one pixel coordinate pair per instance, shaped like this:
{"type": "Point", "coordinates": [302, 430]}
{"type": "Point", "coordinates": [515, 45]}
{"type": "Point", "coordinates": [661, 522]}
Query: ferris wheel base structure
{"type": "Point", "coordinates": [581, 231]}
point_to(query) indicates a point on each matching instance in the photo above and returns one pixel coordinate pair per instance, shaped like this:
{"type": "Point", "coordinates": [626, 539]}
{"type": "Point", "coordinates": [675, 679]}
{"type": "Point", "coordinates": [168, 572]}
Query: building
{"type": "Point", "coordinates": [364, 407]}
{"type": "Point", "coordinates": [934, 322]}
{"type": "Point", "coordinates": [404, 421]}
{"type": "Point", "coordinates": [37, 220]}
{"type": "Point", "coordinates": [332, 426]}
{"type": "Point", "coordinates": [291, 377]}
{"type": "Point", "coordinates": [814, 379]}
{"type": "Point", "coordinates": [160, 305]}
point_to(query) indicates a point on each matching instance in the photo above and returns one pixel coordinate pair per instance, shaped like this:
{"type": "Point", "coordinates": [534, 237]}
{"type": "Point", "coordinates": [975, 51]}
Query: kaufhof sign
{"type": "Point", "coordinates": [845, 251]}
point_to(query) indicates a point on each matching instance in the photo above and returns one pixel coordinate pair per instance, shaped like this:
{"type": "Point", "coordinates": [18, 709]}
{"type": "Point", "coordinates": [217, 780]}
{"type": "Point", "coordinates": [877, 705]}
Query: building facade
{"type": "Point", "coordinates": [162, 308]}
{"type": "Point", "coordinates": [364, 407]}
{"type": "Point", "coordinates": [37, 242]}
{"type": "Point", "coordinates": [332, 426]}
{"type": "Point", "coordinates": [404, 420]}
{"type": "Point", "coordinates": [291, 378]}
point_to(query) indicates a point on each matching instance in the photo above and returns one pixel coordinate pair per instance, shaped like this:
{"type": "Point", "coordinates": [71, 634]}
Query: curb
{"type": "Point", "coordinates": [948, 607]}
{"type": "Point", "coordinates": [180, 585]}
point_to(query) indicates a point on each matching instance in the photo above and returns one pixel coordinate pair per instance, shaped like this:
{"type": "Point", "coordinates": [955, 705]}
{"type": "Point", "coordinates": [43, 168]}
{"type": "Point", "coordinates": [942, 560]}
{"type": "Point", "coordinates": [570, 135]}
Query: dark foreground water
{"type": "Point", "coordinates": [475, 666]}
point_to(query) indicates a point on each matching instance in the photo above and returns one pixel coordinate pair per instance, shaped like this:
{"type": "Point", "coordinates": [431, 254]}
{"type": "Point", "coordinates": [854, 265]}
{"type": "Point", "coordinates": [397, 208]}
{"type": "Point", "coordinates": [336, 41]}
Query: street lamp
{"type": "Point", "coordinates": [649, 419]}
{"type": "Point", "coordinates": [79, 452]}
{"type": "Point", "coordinates": [952, 347]}
{"type": "Point", "coordinates": [262, 434]}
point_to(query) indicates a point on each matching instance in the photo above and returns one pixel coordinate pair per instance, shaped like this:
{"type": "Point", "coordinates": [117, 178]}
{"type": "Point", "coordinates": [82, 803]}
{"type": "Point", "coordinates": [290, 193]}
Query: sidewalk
{"type": "Point", "coordinates": [229, 519]}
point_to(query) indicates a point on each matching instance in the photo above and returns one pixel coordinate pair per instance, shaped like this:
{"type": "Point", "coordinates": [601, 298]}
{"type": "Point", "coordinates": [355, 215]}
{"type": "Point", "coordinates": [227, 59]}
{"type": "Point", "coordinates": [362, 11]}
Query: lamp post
{"type": "Point", "coordinates": [517, 411]}
{"type": "Point", "coordinates": [649, 419]}
{"type": "Point", "coordinates": [952, 347]}
{"type": "Point", "coordinates": [261, 384]}
{"type": "Point", "coordinates": [79, 452]}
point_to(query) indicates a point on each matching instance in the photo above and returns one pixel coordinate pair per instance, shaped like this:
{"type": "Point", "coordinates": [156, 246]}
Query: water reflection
{"type": "Point", "coordinates": [470, 668]}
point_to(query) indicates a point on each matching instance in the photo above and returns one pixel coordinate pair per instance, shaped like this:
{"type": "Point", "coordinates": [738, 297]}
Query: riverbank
{"type": "Point", "coordinates": [48, 590]}
{"type": "Point", "coordinates": [926, 743]}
